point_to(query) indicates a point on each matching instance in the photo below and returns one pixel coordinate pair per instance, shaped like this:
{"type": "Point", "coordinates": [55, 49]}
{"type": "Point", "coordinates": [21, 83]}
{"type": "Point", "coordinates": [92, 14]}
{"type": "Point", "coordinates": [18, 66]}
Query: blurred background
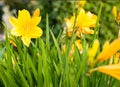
{"type": "Point", "coordinates": [60, 9]}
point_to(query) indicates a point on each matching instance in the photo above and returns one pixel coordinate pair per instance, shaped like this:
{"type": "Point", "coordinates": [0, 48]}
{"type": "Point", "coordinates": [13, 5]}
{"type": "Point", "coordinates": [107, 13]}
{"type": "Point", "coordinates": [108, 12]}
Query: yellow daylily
{"type": "Point", "coordinates": [86, 20]}
{"type": "Point", "coordinates": [12, 42]}
{"type": "Point", "coordinates": [77, 44]}
{"type": "Point", "coordinates": [112, 70]}
{"type": "Point", "coordinates": [114, 11]}
{"type": "Point", "coordinates": [81, 3]}
{"type": "Point", "coordinates": [84, 23]}
{"type": "Point", "coordinates": [25, 26]}
{"type": "Point", "coordinates": [118, 18]}
{"type": "Point", "coordinates": [71, 52]}
{"type": "Point", "coordinates": [92, 52]}
{"type": "Point", "coordinates": [116, 15]}
{"type": "Point", "coordinates": [69, 25]}
{"type": "Point", "coordinates": [106, 45]}
{"type": "Point", "coordinates": [109, 51]}
{"type": "Point", "coordinates": [117, 58]}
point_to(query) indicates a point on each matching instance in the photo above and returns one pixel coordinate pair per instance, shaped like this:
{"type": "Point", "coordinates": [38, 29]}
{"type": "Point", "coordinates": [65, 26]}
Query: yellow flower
{"type": "Point", "coordinates": [81, 3]}
{"type": "Point", "coordinates": [116, 15]}
{"type": "Point", "coordinates": [86, 20]}
{"type": "Point", "coordinates": [117, 58]}
{"type": "Point", "coordinates": [25, 26]}
{"type": "Point", "coordinates": [114, 11]}
{"type": "Point", "coordinates": [92, 52]}
{"type": "Point", "coordinates": [118, 18]}
{"type": "Point", "coordinates": [106, 45]}
{"type": "Point", "coordinates": [112, 70]}
{"type": "Point", "coordinates": [12, 42]}
{"type": "Point", "coordinates": [77, 44]}
{"type": "Point", "coordinates": [69, 25]}
{"type": "Point", "coordinates": [109, 51]}
{"type": "Point", "coordinates": [37, 13]}
{"type": "Point", "coordinates": [63, 47]}
{"type": "Point", "coordinates": [71, 52]}
{"type": "Point", "coordinates": [84, 23]}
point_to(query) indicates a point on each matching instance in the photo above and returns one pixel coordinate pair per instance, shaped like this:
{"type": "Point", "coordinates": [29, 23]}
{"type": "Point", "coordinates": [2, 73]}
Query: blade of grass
{"type": "Point", "coordinates": [40, 75]}
{"type": "Point", "coordinates": [32, 67]}
{"type": "Point", "coordinates": [84, 61]}
{"type": "Point", "coordinates": [4, 77]}
{"type": "Point", "coordinates": [97, 22]}
{"type": "Point", "coordinates": [19, 71]}
{"type": "Point", "coordinates": [27, 67]}
{"type": "Point", "coordinates": [47, 33]}
{"type": "Point", "coordinates": [46, 68]}
{"type": "Point", "coordinates": [7, 45]}
{"type": "Point", "coordinates": [58, 48]}
{"type": "Point", "coordinates": [2, 52]}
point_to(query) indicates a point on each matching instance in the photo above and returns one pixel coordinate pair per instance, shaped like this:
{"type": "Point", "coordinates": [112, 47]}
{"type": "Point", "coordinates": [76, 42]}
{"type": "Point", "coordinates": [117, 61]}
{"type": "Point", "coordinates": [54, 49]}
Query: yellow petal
{"type": "Point", "coordinates": [82, 11]}
{"type": "Point", "coordinates": [112, 70]}
{"type": "Point", "coordinates": [81, 3]}
{"type": "Point", "coordinates": [86, 30]}
{"type": "Point", "coordinates": [92, 19]}
{"type": "Point", "coordinates": [23, 17]}
{"type": "Point", "coordinates": [114, 11]}
{"type": "Point", "coordinates": [118, 18]}
{"type": "Point", "coordinates": [70, 22]}
{"type": "Point", "coordinates": [26, 40]}
{"type": "Point", "coordinates": [13, 43]}
{"type": "Point", "coordinates": [36, 12]}
{"type": "Point", "coordinates": [116, 58]}
{"type": "Point", "coordinates": [70, 33]}
{"type": "Point", "coordinates": [92, 52]}
{"type": "Point", "coordinates": [35, 21]}
{"type": "Point", "coordinates": [109, 51]}
{"type": "Point", "coordinates": [63, 48]}
{"type": "Point", "coordinates": [34, 32]}
{"type": "Point", "coordinates": [78, 44]}
{"type": "Point", "coordinates": [13, 21]}
{"type": "Point", "coordinates": [16, 32]}
{"type": "Point", "coordinates": [106, 45]}
{"type": "Point", "coordinates": [69, 25]}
